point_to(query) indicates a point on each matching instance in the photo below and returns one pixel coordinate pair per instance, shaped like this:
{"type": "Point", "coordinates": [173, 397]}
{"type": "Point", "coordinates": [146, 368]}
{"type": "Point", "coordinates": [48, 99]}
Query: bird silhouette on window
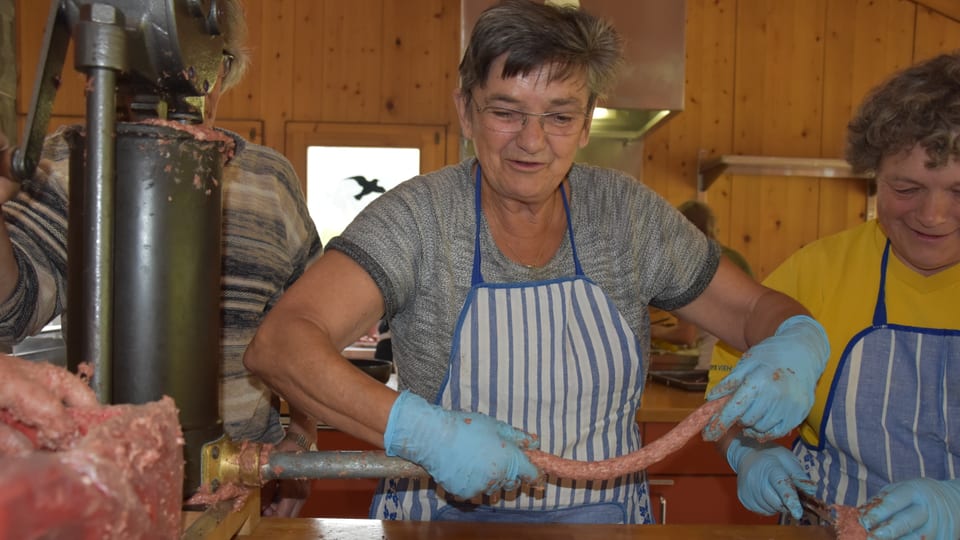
{"type": "Point", "coordinates": [367, 186]}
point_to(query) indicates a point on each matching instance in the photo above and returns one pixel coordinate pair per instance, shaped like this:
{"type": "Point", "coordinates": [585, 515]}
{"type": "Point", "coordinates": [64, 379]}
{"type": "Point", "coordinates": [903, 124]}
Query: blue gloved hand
{"type": "Point", "coordinates": [918, 508]}
{"type": "Point", "coordinates": [773, 383]}
{"type": "Point", "coordinates": [466, 453]}
{"type": "Point", "coordinates": [768, 476]}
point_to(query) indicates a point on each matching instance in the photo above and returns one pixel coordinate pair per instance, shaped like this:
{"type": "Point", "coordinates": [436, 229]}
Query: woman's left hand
{"type": "Point", "coordinates": [918, 508]}
{"type": "Point", "coordinates": [773, 384]}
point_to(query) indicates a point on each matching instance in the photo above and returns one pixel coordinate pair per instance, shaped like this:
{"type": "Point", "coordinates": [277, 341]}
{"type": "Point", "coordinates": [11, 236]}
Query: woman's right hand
{"type": "Point", "coordinates": [768, 477]}
{"type": "Point", "coordinates": [466, 453]}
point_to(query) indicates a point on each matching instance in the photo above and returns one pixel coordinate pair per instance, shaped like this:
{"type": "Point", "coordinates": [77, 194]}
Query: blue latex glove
{"type": "Point", "coordinates": [918, 508]}
{"type": "Point", "coordinates": [768, 476]}
{"type": "Point", "coordinates": [466, 453]}
{"type": "Point", "coordinates": [773, 383]}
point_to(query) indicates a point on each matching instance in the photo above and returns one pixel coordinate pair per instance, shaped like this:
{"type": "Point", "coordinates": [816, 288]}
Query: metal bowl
{"type": "Point", "coordinates": [378, 369]}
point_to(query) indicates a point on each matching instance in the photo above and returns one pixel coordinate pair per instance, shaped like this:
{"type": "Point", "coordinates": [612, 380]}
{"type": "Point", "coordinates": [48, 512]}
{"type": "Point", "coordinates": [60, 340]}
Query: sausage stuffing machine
{"type": "Point", "coordinates": [145, 203]}
{"type": "Point", "coordinates": [144, 252]}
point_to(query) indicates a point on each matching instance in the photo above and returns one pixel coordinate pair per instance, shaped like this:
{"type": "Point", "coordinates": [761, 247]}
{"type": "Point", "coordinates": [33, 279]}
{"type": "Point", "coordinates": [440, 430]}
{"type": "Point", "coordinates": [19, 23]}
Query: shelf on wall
{"type": "Point", "coordinates": [713, 168]}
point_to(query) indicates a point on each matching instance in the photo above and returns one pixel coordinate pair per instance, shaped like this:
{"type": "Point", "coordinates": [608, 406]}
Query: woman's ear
{"type": "Point", "coordinates": [463, 102]}
{"type": "Point", "coordinates": [587, 124]}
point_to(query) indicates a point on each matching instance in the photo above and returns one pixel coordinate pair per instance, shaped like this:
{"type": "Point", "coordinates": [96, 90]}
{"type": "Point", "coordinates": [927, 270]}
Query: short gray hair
{"type": "Point", "coordinates": [534, 35]}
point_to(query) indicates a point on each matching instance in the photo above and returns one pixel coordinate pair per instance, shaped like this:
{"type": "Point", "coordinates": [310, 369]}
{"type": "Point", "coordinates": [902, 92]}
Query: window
{"type": "Point", "coordinates": [343, 167]}
{"type": "Point", "coordinates": [342, 180]}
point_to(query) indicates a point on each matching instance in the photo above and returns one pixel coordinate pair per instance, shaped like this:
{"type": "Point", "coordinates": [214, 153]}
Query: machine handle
{"type": "Point", "coordinates": [56, 39]}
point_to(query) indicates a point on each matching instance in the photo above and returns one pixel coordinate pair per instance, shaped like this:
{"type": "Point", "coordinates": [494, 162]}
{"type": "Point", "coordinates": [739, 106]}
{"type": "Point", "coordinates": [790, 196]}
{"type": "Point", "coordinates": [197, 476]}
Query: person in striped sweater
{"type": "Point", "coordinates": [268, 240]}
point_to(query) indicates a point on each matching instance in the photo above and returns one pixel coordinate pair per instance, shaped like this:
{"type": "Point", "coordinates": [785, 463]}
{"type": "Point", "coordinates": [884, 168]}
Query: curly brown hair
{"type": "Point", "coordinates": [918, 105]}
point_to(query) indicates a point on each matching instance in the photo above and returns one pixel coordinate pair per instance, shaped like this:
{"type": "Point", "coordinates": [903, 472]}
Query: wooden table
{"type": "Point", "coordinates": [661, 403]}
{"type": "Point", "coordinates": [363, 529]}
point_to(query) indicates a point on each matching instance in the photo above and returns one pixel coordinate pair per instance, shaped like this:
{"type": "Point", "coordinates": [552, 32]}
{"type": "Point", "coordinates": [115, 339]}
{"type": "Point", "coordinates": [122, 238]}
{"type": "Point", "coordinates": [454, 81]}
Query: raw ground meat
{"type": "Point", "coordinates": [91, 471]}
{"type": "Point", "coordinates": [619, 466]}
{"type": "Point", "coordinates": [206, 496]}
{"type": "Point", "coordinates": [848, 525]}
{"type": "Point", "coordinates": [248, 461]}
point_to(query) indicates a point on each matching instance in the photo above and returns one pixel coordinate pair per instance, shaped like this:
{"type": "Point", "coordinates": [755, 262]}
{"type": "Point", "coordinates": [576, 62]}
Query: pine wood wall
{"type": "Point", "coordinates": [764, 77]}
{"type": "Point", "coordinates": [782, 78]}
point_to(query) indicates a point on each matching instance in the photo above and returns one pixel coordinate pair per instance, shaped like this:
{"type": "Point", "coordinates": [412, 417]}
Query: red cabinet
{"type": "Point", "coordinates": [695, 485]}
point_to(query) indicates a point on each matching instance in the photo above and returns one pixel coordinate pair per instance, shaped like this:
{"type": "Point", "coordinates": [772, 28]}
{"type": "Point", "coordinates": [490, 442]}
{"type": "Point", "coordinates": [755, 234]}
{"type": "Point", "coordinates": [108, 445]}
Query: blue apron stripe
{"type": "Point", "coordinates": [488, 370]}
{"type": "Point", "coordinates": [512, 349]}
{"type": "Point", "coordinates": [916, 416]}
{"type": "Point", "coordinates": [524, 378]}
{"type": "Point", "coordinates": [849, 423]}
{"type": "Point", "coordinates": [948, 418]}
{"type": "Point", "coordinates": [558, 326]}
{"type": "Point", "coordinates": [553, 380]}
{"type": "Point", "coordinates": [533, 418]}
{"type": "Point", "coordinates": [593, 345]}
{"type": "Point", "coordinates": [577, 362]}
{"type": "Point", "coordinates": [895, 377]}
{"type": "Point", "coordinates": [888, 371]}
{"type": "Point", "coordinates": [416, 505]}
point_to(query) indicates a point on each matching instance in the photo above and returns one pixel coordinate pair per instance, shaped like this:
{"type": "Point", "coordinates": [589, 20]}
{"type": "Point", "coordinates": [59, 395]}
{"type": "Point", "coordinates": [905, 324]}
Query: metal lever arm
{"type": "Point", "coordinates": [55, 41]}
{"type": "Point", "coordinates": [339, 464]}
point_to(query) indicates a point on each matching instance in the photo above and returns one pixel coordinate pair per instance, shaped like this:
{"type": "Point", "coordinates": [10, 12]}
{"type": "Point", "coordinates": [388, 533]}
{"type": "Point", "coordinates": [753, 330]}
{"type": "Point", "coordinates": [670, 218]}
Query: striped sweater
{"type": "Point", "coordinates": [268, 241]}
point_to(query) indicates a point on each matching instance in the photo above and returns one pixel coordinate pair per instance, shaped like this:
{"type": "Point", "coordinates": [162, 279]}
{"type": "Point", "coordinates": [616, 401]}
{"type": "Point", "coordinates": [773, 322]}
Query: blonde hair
{"type": "Point", "coordinates": [233, 28]}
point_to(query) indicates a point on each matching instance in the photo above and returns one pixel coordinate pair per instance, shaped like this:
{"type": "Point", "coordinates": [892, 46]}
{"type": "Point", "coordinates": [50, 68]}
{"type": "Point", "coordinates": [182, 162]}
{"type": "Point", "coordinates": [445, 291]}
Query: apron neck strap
{"type": "Point", "coordinates": [477, 276]}
{"type": "Point", "coordinates": [880, 311]}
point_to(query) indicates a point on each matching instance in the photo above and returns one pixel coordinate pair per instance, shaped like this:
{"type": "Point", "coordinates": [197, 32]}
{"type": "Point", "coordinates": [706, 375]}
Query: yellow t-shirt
{"type": "Point", "coordinates": [837, 278]}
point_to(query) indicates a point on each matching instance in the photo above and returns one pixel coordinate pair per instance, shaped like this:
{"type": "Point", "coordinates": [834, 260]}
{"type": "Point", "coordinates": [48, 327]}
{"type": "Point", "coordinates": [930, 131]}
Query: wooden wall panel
{"type": "Point", "coordinates": [779, 44]}
{"type": "Point", "coordinates": [947, 8]}
{"type": "Point", "coordinates": [866, 41]}
{"type": "Point", "coordinates": [767, 77]}
{"type": "Point", "coordinates": [936, 33]}
{"type": "Point", "coordinates": [711, 57]}
{"type": "Point", "coordinates": [31, 18]}
{"type": "Point", "coordinates": [270, 80]}
{"type": "Point", "coordinates": [779, 59]}
{"type": "Point", "coordinates": [245, 100]}
{"type": "Point", "coordinates": [672, 149]}
{"type": "Point", "coordinates": [338, 59]}
{"type": "Point", "coordinates": [251, 130]}
{"type": "Point", "coordinates": [418, 77]}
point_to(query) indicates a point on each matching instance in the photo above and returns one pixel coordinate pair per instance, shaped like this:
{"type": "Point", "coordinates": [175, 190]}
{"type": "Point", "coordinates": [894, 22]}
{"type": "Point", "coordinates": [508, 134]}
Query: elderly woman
{"type": "Point", "coordinates": [516, 285]}
{"type": "Point", "coordinates": [882, 434]}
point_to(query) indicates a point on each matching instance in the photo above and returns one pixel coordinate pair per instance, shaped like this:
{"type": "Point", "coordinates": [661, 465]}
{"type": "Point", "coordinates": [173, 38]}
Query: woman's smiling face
{"type": "Point", "coordinates": [919, 210]}
{"type": "Point", "coordinates": [527, 165]}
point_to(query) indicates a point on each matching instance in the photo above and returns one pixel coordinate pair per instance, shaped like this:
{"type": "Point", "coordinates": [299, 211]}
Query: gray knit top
{"type": "Point", "coordinates": [417, 242]}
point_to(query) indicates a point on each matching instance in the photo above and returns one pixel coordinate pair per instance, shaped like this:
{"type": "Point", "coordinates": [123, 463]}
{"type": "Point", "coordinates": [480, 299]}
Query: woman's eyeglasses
{"type": "Point", "coordinates": [506, 120]}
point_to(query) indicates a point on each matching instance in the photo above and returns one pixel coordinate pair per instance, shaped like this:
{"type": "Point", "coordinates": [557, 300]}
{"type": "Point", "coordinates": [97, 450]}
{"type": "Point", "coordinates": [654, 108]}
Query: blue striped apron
{"type": "Point", "coordinates": [554, 358]}
{"type": "Point", "coordinates": [893, 412]}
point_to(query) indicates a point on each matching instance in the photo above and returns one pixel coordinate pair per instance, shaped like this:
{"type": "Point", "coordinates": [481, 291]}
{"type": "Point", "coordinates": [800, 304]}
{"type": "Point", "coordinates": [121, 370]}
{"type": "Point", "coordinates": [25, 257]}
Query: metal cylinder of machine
{"type": "Point", "coordinates": [166, 274]}
{"type": "Point", "coordinates": [338, 464]}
